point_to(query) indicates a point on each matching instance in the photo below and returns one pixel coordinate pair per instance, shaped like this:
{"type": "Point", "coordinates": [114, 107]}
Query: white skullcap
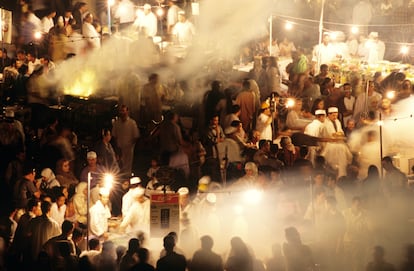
{"type": "Point", "coordinates": [320, 112]}
{"type": "Point", "coordinates": [91, 155]}
{"type": "Point", "coordinates": [183, 191]}
{"type": "Point", "coordinates": [332, 110]}
{"type": "Point", "coordinates": [135, 180]}
{"type": "Point", "coordinates": [147, 6]}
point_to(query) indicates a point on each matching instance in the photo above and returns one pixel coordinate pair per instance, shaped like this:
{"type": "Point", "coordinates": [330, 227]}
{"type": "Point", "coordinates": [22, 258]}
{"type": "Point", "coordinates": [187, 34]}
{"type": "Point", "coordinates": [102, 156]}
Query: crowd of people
{"type": "Point", "coordinates": [304, 141]}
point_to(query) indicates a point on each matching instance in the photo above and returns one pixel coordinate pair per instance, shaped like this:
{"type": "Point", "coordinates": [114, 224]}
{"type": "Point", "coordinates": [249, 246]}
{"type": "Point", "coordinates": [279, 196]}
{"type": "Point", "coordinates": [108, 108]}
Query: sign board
{"type": "Point", "coordinates": [164, 215]}
{"type": "Point", "coordinates": [195, 9]}
{"type": "Point", "coordinates": [6, 25]}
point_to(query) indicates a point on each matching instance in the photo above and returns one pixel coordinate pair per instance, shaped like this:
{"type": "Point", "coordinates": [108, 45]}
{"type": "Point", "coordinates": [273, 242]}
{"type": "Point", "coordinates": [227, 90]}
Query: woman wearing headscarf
{"type": "Point", "coordinates": [80, 202]}
{"type": "Point", "coordinates": [48, 179]}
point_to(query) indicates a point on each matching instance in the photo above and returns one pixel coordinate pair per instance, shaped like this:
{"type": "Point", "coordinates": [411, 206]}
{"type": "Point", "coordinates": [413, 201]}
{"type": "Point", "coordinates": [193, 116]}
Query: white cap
{"type": "Point", "coordinates": [332, 110]}
{"type": "Point", "coordinates": [134, 180]}
{"type": "Point", "coordinates": [147, 6]}
{"type": "Point", "coordinates": [320, 112]}
{"type": "Point", "coordinates": [104, 191]}
{"type": "Point", "coordinates": [91, 155]}
{"type": "Point", "coordinates": [183, 191]}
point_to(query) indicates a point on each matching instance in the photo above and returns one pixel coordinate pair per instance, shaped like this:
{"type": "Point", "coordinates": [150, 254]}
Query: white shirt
{"type": "Point", "coordinates": [184, 32]}
{"type": "Point", "coordinates": [330, 127]}
{"type": "Point", "coordinates": [349, 103]}
{"type": "Point", "coordinates": [327, 53]}
{"type": "Point", "coordinates": [137, 217]}
{"type": "Point", "coordinates": [127, 201]}
{"type": "Point", "coordinates": [264, 128]}
{"type": "Point", "coordinates": [375, 50]}
{"type": "Point", "coordinates": [47, 24]}
{"type": "Point", "coordinates": [32, 18]}
{"type": "Point", "coordinates": [125, 132]}
{"type": "Point", "coordinates": [149, 23]}
{"type": "Point", "coordinates": [92, 36]}
{"type": "Point", "coordinates": [315, 128]}
{"type": "Point", "coordinates": [58, 214]}
{"type": "Point", "coordinates": [99, 215]}
{"type": "Point", "coordinates": [32, 65]}
{"type": "Point", "coordinates": [353, 47]}
{"type": "Point", "coordinates": [349, 106]}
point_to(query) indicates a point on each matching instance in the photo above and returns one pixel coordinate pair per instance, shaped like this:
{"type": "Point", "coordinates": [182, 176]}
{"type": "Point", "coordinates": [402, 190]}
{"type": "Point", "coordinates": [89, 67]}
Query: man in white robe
{"type": "Point", "coordinates": [323, 53]}
{"type": "Point", "coordinates": [316, 129]}
{"type": "Point", "coordinates": [137, 217]}
{"type": "Point", "coordinates": [93, 38]}
{"type": "Point", "coordinates": [125, 132]}
{"type": "Point", "coordinates": [336, 154]}
{"type": "Point", "coordinates": [183, 30]}
{"type": "Point", "coordinates": [99, 214]}
{"type": "Point", "coordinates": [147, 21]}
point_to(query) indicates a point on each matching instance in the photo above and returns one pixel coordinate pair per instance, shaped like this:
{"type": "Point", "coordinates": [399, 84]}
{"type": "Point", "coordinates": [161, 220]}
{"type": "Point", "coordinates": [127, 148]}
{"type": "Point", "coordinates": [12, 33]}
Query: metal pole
{"type": "Point", "coordinates": [366, 97]}
{"type": "Point", "coordinates": [109, 17]}
{"type": "Point", "coordinates": [380, 132]}
{"type": "Point", "coordinates": [87, 206]}
{"type": "Point", "coordinates": [270, 34]}
{"type": "Point", "coordinates": [312, 203]}
{"type": "Point", "coordinates": [320, 36]}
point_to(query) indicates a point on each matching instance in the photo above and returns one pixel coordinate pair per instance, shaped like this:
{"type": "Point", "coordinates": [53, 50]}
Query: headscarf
{"type": "Point", "coordinates": [48, 174]}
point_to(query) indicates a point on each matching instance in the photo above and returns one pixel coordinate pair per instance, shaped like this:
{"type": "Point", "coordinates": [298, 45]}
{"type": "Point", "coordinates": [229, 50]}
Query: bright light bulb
{"type": "Point", "coordinates": [354, 29]}
{"type": "Point", "coordinates": [288, 26]}
{"type": "Point", "coordinates": [390, 94]}
{"type": "Point", "coordinates": [404, 49]}
{"type": "Point", "coordinates": [37, 35]}
{"type": "Point", "coordinates": [122, 9]}
{"type": "Point", "coordinates": [160, 12]}
{"type": "Point", "coordinates": [290, 103]}
{"type": "Point", "coordinates": [108, 180]}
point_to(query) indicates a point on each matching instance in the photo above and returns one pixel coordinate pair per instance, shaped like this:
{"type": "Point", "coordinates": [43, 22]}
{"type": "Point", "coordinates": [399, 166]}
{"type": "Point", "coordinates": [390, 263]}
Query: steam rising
{"type": "Point", "coordinates": [222, 28]}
